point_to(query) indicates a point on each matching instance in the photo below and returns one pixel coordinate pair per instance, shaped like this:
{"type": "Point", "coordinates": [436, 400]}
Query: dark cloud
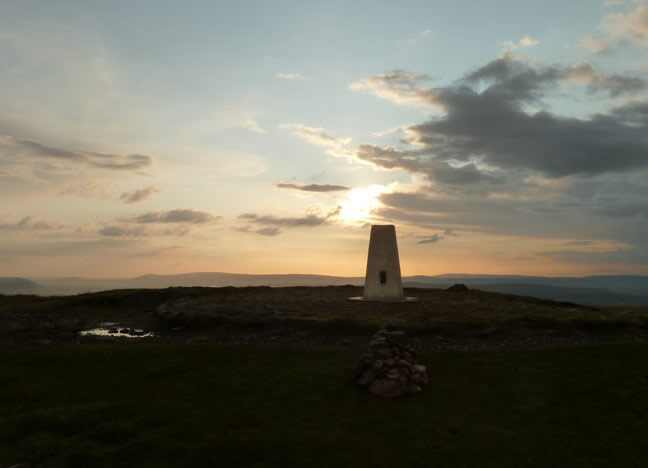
{"type": "Point", "coordinates": [13, 147]}
{"type": "Point", "coordinates": [485, 126]}
{"type": "Point", "coordinates": [437, 170]}
{"type": "Point", "coordinates": [634, 113]}
{"type": "Point", "coordinates": [434, 238]}
{"type": "Point", "coordinates": [138, 195]}
{"type": "Point", "coordinates": [176, 216]}
{"type": "Point", "coordinates": [549, 218]}
{"type": "Point", "coordinates": [313, 187]}
{"type": "Point", "coordinates": [624, 209]}
{"type": "Point", "coordinates": [308, 220]}
{"type": "Point", "coordinates": [517, 81]}
{"type": "Point", "coordinates": [27, 223]}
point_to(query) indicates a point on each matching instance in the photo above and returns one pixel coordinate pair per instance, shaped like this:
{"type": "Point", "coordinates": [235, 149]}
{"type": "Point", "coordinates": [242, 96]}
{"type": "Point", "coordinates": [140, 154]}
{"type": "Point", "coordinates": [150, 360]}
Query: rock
{"type": "Point", "coordinates": [418, 369]}
{"type": "Point", "coordinates": [393, 374]}
{"type": "Point", "coordinates": [366, 378]}
{"type": "Point", "coordinates": [113, 330]}
{"type": "Point", "coordinates": [419, 379]}
{"type": "Point", "coordinates": [458, 287]}
{"type": "Point", "coordinates": [384, 352]}
{"type": "Point", "coordinates": [138, 332]}
{"type": "Point", "coordinates": [388, 388]}
{"type": "Point", "coordinates": [388, 368]}
{"type": "Point", "coordinates": [398, 338]}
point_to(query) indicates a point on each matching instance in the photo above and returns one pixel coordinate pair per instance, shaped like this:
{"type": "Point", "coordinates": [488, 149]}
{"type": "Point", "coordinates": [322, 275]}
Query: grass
{"type": "Point", "coordinates": [210, 405]}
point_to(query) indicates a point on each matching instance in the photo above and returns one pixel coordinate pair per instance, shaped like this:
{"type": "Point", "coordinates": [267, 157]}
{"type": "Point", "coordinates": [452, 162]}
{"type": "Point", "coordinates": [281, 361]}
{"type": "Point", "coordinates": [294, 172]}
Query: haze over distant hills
{"type": "Point", "coordinates": [626, 290]}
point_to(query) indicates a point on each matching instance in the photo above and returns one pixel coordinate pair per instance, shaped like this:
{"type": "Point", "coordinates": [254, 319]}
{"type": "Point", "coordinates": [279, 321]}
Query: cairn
{"type": "Point", "coordinates": [388, 367]}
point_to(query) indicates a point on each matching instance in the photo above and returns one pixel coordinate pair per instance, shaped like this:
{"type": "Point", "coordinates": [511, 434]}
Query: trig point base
{"type": "Point", "coordinates": [383, 280]}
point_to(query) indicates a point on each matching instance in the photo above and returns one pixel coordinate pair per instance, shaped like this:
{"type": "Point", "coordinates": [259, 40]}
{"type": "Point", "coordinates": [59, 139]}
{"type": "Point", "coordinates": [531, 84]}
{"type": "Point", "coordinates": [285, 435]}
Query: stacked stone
{"type": "Point", "coordinates": [388, 368]}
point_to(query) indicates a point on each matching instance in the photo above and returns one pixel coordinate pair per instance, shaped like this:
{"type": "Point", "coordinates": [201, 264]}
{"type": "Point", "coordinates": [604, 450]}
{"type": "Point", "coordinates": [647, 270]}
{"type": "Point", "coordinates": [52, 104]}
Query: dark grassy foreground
{"type": "Point", "coordinates": [209, 405]}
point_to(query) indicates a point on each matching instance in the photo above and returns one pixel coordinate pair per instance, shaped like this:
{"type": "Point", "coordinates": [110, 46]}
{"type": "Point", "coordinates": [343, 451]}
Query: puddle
{"type": "Point", "coordinates": [114, 330]}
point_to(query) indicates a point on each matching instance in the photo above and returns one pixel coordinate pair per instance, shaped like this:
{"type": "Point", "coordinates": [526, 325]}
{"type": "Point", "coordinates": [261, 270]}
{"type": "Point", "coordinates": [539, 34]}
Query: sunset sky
{"type": "Point", "coordinates": [506, 137]}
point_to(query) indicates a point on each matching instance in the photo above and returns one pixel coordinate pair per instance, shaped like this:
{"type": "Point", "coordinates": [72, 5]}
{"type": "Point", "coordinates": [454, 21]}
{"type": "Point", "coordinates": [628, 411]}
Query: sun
{"type": "Point", "coordinates": [360, 203]}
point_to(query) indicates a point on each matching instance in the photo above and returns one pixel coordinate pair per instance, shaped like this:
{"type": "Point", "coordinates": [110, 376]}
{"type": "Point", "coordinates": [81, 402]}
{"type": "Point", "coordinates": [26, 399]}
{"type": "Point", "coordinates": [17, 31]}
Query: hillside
{"type": "Point", "coordinates": [584, 296]}
{"type": "Point", "coordinates": [622, 290]}
{"type": "Point", "coordinates": [19, 286]}
{"type": "Point", "coordinates": [316, 315]}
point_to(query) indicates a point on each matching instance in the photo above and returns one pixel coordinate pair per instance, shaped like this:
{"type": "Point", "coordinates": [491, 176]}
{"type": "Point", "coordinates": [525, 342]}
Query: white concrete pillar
{"type": "Point", "coordinates": [383, 279]}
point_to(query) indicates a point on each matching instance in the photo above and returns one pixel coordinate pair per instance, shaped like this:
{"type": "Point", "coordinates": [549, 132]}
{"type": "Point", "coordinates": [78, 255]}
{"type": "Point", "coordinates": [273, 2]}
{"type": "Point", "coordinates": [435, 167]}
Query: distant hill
{"type": "Point", "coordinates": [624, 284]}
{"type": "Point", "coordinates": [621, 290]}
{"type": "Point", "coordinates": [208, 279]}
{"type": "Point", "coordinates": [19, 286]}
{"type": "Point", "coordinates": [584, 296]}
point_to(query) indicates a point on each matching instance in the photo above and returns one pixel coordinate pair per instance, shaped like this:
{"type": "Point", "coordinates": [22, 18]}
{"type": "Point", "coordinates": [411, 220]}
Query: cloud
{"type": "Point", "coordinates": [290, 76]}
{"type": "Point", "coordinates": [495, 165]}
{"type": "Point", "coordinates": [415, 39]}
{"type": "Point", "coordinates": [619, 29]}
{"type": "Point", "coordinates": [90, 189]}
{"type": "Point", "coordinates": [31, 161]}
{"type": "Point", "coordinates": [596, 44]}
{"type": "Point", "coordinates": [636, 255]}
{"type": "Point", "coordinates": [121, 231]}
{"type": "Point", "coordinates": [317, 136]}
{"type": "Point", "coordinates": [187, 216]}
{"type": "Point", "coordinates": [389, 131]}
{"type": "Point", "coordinates": [485, 128]}
{"type": "Point", "coordinates": [28, 223]}
{"type": "Point", "coordinates": [400, 86]}
{"type": "Point", "coordinates": [272, 223]}
{"type": "Point", "coordinates": [506, 79]}
{"type": "Point", "coordinates": [616, 85]}
{"type": "Point", "coordinates": [253, 126]}
{"type": "Point", "coordinates": [267, 231]}
{"type": "Point", "coordinates": [434, 238]}
{"type": "Point", "coordinates": [526, 41]}
{"type": "Point", "coordinates": [581, 243]}
{"type": "Point", "coordinates": [138, 195]}
{"type": "Point", "coordinates": [313, 187]}
{"type": "Point", "coordinates": [419, 162]}
{"type": "Point", "coordinates": [307, 221]}
{"type": "Point", "coordinates": [109, 161]}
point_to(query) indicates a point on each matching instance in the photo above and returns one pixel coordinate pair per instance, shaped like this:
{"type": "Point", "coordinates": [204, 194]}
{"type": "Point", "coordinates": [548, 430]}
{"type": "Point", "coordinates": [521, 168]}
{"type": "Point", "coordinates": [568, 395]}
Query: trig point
{"type": "Point", "coordinates": [383, 280]}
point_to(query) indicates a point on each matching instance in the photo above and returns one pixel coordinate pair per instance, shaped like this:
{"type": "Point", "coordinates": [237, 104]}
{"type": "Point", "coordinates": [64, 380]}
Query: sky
{"type": "Point", "coordinates": [167, 137]}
